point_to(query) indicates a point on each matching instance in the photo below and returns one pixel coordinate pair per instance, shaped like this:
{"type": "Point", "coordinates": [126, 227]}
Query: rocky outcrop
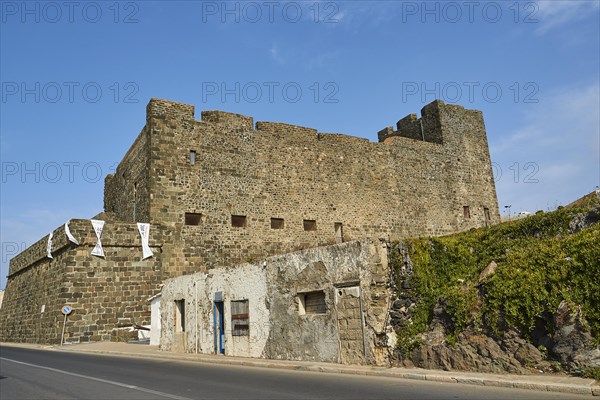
{"type": "Point", "coordinates": [473, 350]}
{"type": "Point", "coordinates": [584, 220]}
{"type": "Point", "coordinates": [562, 337]}
{"type": "Point", "coordinates": [477, 352]}
{"type": "Point", "coordinates": [487, 272]}
{"type": "Point", "coordinates": [572, 343]}
{"type": "Point", "coordinates": [405, 303]}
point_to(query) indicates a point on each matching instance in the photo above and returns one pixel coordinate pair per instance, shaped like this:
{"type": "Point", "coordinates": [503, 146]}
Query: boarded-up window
{"type": "Point", "coordinates": [238, 221]}
{"type": "Point", "coordinates": [240, 318]}
{"type": "Point", "coordinates": [310, 225]}
{"type": "Point", "coordinates": [277, 223]}
{"type": "Point", "coordinates": [312, 303]}
{"type": "Point", "coordinates": [466, 212]}
{"type": "Point", "coordinates": [193, 218]}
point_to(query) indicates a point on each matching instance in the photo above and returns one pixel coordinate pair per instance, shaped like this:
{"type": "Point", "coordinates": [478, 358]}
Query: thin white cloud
{"type": "Point", "coordinates": [276, 54]}
{"type": "Point", "coordinates": [326, 12]}
{"type": "Point", "coordinates": [552, 14]}
{"type": "Point", "coordinates": [566, 117]}
{"type": "Point", "coordinates": [562, 171]}
{"type": "Point", "coordinates": [560, 137]}
{"type": "Point", "coordinates": [308, 58]}
{"type": "Point", "coordinates": [356, 13]}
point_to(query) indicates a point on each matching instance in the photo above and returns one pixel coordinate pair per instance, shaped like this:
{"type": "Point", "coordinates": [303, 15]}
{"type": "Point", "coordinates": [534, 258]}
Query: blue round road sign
{"type": "Point", "coordinates": [66, 310]}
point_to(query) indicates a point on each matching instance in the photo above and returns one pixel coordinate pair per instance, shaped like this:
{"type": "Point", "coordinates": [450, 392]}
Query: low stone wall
{"type": "Point", "coordinates": [104, 293]}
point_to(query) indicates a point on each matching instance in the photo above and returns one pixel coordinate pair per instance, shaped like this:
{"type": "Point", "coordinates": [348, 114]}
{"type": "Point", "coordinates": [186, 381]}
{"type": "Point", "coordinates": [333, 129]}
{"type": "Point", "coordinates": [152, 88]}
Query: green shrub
{"type": "Point", "coordinates": [593, 373]}
{"type": "Point", "coordinates": [539, 264]}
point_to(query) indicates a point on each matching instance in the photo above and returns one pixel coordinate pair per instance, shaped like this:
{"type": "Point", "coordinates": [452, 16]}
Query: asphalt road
{"type": "Point", "coordinates": [47, 374]}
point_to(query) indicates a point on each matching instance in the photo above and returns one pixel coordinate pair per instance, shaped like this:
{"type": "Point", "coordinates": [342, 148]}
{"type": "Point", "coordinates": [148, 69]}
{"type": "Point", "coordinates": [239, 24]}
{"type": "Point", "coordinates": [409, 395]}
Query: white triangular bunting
{"type": "Point", "coordinates": [49, 246]}
{"type": "Point", "coordinates": [98, 225]}
{"type": "Point", "coordinates": [144, 230]}
{"type": "Point", "coordinates": [69, 235]}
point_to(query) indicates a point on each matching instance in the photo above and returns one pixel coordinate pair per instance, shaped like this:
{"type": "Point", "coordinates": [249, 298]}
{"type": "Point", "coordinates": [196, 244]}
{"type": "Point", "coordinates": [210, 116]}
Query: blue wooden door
{"type": "Point", "coordinates": [219, 323]}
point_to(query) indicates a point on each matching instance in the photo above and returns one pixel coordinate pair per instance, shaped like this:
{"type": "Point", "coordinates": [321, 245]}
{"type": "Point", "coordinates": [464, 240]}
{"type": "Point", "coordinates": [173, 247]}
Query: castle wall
{"type": "Point", "coordinates": [127, 191]}
{"type": "Point", "coordinates": [22, 318]}
{"type": "Point", "coordinates": [397, 188]}
{"type": "Point", "coordinates": [470, 174]}
{"type": "Point", "coordinates": [103, 292]}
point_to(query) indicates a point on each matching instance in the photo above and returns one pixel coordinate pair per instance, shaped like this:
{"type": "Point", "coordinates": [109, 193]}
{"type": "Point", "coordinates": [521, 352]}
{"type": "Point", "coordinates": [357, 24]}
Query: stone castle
{"type": "Point", "coordinates": [224, 190]}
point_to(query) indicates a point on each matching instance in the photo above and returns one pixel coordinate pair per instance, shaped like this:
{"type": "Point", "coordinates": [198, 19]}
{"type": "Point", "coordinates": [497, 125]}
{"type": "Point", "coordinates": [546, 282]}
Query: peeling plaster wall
{"type": "Point", "coordinates": [243, 282]}
{"type": "Point", "coordinates": [155, 321]}
{"type": "Point", "coordinates": [354, 277]}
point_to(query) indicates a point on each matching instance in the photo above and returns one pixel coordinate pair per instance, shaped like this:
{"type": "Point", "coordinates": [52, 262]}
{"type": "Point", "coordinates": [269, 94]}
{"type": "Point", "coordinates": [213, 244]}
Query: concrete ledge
{"type": "Point", "coordinates": [467, 380]}
{"type": "Point", "coordinates": [570, 389]}
{"type": "Point", "coordinates": [420, 377]}
{"type": "Point", "coordinates": [531, 386]}
{"type": "Point", "coordinates": [440, 378]}
{"type": "Point", "coordinates": [498, 383]}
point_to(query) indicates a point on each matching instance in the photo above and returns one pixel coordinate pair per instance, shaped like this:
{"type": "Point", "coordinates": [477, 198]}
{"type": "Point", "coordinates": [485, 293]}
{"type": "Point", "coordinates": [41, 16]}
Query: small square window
{"type": "Point", "coordinates": [312, 303]}
{"type": "Point", "coordinates": [238, 221]}
{"type": "Point", "coordinates": [193, 218]}
{"type": "Point", "coordinates": [466, 212]}
{"type": "Point", "coordinates": [192, 157]}
{"type": "Point", "coordinates": [277, 223]}
{"type": "Point", "coordinates": [310, 225]}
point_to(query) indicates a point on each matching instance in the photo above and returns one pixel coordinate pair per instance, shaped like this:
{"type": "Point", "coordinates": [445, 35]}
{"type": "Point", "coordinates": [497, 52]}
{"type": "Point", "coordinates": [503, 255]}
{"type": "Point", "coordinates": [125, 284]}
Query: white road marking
{"type": "Point", "coordinates": [141, 389]}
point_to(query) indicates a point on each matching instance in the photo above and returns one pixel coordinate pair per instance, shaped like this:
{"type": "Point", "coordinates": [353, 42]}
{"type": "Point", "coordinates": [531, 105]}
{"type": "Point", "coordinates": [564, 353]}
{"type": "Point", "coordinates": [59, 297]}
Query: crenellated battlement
{"type": "Point", "coordinates": [428, 128]}
{"type": "Point", "coordinates": [178, 163]}
{"type": "Point", "coordinates": [437, 119]}
{"type": "Point", "coordinates": [228, 119]}
{"type": "Point", "coordinates": [159, 108]}
{"type": "Point", "coordinates": [287, 131]}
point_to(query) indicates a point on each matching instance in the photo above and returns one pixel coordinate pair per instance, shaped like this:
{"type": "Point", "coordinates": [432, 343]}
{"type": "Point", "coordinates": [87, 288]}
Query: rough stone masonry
{"type": "Point", "coordinates": [224, 190]}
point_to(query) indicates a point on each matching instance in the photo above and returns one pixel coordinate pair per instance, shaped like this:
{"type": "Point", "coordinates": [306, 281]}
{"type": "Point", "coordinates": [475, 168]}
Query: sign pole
{"type": "Point", "coordinates": [66, 310]}
{"type": "Point", "coordinates": [62, 337]}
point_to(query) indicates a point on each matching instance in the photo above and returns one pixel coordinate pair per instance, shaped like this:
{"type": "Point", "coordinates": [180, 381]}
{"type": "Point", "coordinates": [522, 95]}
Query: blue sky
{"type": "Point", "coordinates": [76, 78]}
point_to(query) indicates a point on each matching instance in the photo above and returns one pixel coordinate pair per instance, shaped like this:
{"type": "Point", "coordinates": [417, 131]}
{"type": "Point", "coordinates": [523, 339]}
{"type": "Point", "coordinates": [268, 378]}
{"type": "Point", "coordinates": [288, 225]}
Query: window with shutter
{"type": "Point", "coordinates": [240, 321]}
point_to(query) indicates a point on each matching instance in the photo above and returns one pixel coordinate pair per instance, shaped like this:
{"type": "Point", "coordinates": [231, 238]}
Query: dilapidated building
{"type": "Point", "coordinates": [328, 304]}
